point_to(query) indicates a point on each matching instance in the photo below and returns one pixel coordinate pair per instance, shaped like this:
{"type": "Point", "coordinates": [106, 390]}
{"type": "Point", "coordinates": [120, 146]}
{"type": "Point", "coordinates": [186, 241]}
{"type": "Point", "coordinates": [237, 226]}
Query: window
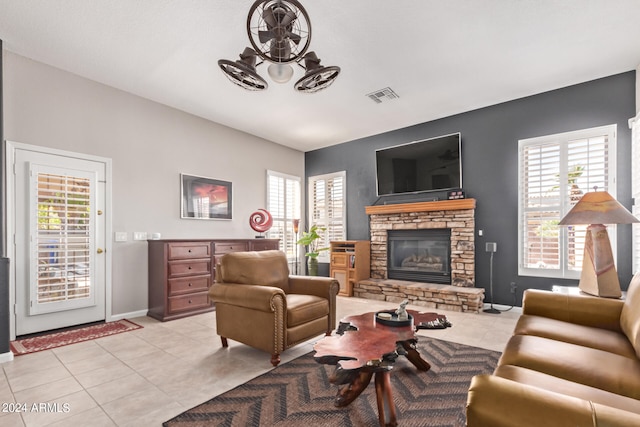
{"type": "Point", "coordinates": [283, 202]}
{"type": "Point", "coordinates": [635, 188]}
{"type": "Point", "coordinates": [327, 207]}
{"type": "Point", "coordinates": [554, 172]}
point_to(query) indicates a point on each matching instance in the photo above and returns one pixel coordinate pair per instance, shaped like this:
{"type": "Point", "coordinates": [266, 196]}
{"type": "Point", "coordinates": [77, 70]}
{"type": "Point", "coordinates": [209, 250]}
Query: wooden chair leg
{"type": "Point", "coordinates": [275, 359]}
{"type": "Point", "coordinates": [224, 341]}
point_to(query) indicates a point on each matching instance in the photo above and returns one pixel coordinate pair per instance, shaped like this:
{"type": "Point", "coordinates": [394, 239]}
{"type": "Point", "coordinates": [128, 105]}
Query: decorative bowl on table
{"type": "Point", "coordinates": [390, 318]}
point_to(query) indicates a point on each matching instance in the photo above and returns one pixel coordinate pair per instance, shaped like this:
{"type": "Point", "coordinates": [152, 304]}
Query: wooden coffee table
{"type": "Point", "coordinates": [362, 348]}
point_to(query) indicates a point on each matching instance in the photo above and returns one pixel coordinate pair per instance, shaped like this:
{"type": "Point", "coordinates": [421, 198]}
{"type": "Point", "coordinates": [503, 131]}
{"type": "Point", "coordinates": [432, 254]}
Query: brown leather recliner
{"type": "Point", "coordinates": [260, 305]}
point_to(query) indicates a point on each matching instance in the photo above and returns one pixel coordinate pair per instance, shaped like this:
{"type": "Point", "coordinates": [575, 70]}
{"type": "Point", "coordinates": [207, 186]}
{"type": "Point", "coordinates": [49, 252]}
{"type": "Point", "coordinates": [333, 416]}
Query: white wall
{"type": "Point", "coordinates": [150, 145]}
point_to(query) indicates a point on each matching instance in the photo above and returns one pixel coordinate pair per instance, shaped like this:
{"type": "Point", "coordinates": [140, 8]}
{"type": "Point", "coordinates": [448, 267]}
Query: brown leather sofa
{"type": "Point", "coordinates": [260, 305]}
{"type": "Point", "coordinates": [573, 360]}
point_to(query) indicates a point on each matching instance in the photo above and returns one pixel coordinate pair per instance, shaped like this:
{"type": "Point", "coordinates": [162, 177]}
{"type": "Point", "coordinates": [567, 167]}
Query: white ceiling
{"type": "Point", "coordinates": [441, 57]}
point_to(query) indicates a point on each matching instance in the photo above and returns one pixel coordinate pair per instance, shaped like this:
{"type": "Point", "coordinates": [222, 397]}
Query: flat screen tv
{"type": "Point", "coordinates": [428, 165]}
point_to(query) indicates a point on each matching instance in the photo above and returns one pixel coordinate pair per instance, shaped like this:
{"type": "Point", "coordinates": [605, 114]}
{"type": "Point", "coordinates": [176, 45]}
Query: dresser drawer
{"type": "Point", "coordinates": [225, 248]}
{"type": "Point", "coordinates": [189, 250]}
{"type": "Point", "coordinates": [183, 268]}
{"type": "Point", "coordinates": [189, 284]}
{"type": "Point", "coordinates": [188, 302]}
{"type": "Point", "coordinates": [262, 245]}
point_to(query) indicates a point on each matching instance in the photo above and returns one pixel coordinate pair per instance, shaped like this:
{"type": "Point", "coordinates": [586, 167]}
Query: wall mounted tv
{"type": "Point", "coordinates": [428, 165]}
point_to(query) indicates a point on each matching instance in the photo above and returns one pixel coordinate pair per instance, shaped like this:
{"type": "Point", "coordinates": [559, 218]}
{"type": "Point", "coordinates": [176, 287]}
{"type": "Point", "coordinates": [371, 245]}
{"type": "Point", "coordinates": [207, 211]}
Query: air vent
{"type": "Point", "coordinates": [385, 94]}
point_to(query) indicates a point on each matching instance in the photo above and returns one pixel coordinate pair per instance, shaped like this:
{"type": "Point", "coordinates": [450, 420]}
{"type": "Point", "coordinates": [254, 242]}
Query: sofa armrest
{"type": "Point", "coordinates": [597, 312]}
{"type": "Point", "coordinates": [324, 287]}
{"type": "Point", "coordinates": [498, 402]}
{"type": "Point", "coordinates": [250, 296]}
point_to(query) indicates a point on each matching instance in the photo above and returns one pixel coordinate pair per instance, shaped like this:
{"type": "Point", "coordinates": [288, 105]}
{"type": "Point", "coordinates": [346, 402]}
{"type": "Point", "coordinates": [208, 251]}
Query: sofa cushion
{"type": "Point", "coordinates": [588, 336]}
{"type": "Point", "coordinates": [569, 388]}
{"type": "Point", "coordinates": [630, 316]}
{"type": "Point", "coordinates": [266, 268]}
{"type": "Point", "coordinates": [305, 308]}
{"type": "Point", "coordinates": [584, 365]}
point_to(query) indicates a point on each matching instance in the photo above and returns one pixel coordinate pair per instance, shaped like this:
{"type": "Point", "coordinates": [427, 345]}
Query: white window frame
{"type": "Point", "coordinates": [290, 211]}
{"type": "Point", "coordinates": [564, 203]}
{"type": "Point", "coordinates": [322, 216]}
{"type": "Point", "coordinates": [634, 124]}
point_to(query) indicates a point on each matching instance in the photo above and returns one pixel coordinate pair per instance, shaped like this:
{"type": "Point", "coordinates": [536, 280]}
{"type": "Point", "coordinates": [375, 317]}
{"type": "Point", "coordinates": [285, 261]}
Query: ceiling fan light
{"type": "Point", "coordinates": [280, 73]}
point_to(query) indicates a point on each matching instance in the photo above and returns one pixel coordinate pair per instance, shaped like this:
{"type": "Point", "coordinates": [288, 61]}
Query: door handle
{"type": "Point", "coordinates": [100, 250]}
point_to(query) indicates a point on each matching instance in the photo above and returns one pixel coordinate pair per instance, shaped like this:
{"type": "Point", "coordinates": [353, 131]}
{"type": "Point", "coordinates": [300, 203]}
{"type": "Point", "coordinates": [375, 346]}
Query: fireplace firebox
{"type": "Point", "coordinates": [419, 255]}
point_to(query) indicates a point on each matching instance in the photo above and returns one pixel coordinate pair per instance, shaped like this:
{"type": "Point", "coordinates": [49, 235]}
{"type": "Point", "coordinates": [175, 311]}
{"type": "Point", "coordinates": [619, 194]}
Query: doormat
{"type": "Point", "coordinates": [59, 339]}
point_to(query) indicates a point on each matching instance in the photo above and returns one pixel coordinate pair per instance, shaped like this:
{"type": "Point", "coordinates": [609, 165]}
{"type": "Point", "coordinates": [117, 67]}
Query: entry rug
{"type": "Point", "coordinates": [298, 393]}
{"type": "Point", "coordinates": [59, 339]}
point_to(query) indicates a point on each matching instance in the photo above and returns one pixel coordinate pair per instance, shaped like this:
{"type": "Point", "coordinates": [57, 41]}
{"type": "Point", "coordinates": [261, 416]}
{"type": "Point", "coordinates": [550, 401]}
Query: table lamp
{"type": "Point", "coordinates": [598, 276]}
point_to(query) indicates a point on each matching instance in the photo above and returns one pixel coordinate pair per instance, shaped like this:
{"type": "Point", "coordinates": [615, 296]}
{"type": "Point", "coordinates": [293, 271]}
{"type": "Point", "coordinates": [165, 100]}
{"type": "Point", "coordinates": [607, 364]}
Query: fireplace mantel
{"type": "Point", "coordinates": [442, 205]}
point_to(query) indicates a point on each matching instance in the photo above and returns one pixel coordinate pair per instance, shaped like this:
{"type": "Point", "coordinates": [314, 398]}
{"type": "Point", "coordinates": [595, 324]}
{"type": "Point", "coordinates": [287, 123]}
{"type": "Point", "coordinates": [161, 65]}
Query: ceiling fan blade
{"type": "Point", "coordinates": [294, 37]}
{"type": "Point", "coordinates": [287, 18]}
{"type": "Point", "coordinates": [265, 36]}
{"type": "Point", "coordinates": [270, 18]}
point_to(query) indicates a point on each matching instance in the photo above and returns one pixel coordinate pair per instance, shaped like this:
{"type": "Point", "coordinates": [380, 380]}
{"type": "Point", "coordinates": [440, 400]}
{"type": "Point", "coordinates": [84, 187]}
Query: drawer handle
{"type": "Point", "coordinates": [189, 301]}
{"type": "Point", "coordinates": [189, 267]}
{"type": "Point", "coordinates": [189, 250]}
{"type": "Point", "coordinates": [189, 284]}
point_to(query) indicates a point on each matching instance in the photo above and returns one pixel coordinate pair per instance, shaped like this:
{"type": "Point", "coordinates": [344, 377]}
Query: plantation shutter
{"type": "Point", "coordinates": [61, 242]}
{"type": "Point", "coordinates": [283, 203]}
{"type": "Point", "coordinates": [555, 171]}
{"type": "Point", "coordinates": [635, 188]}
{"type": "Point", "coordinates": [541, 206]}
{"type": "Point", "coordinates": [327, 208]}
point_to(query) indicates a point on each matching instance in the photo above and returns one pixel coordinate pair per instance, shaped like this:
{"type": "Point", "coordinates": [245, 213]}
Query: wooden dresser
{"type": "Point", "coordinates": [181, 272]}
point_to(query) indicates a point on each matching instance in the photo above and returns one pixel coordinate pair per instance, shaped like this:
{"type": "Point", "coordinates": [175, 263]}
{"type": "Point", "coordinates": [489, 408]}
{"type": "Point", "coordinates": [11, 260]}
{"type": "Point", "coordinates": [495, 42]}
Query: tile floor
{"type": "Point", "coordinates": [147, 376]}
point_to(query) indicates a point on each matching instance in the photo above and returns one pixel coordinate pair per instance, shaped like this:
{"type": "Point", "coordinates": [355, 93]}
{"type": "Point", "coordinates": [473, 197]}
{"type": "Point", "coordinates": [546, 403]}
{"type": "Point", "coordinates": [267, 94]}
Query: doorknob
{"type": "Point", "coordinates": [100, 250]}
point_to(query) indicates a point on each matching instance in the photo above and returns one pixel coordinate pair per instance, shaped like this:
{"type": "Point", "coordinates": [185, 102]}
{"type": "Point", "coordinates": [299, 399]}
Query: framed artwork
{"type": "Point", "coordinates": [205, 198]}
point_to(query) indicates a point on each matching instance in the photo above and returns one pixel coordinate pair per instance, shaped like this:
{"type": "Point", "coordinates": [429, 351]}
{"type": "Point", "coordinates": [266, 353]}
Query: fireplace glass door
{"type": "Point", "coordinates": [420, 255]}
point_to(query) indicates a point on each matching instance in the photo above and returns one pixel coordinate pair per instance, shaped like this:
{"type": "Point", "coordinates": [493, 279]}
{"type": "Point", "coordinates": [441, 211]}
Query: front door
{"type": "Point", "coordinates": [60, 235]}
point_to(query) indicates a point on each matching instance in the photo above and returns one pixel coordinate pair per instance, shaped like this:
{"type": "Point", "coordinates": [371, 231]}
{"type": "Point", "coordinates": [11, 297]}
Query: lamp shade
{"type": "Point", "coordinates": [598, 207]}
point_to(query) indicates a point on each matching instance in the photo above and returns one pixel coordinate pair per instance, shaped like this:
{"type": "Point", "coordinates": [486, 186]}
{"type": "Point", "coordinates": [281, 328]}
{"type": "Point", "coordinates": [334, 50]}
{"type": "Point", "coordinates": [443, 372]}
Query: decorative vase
{"type": "Point", "coordinates": [312, 264]}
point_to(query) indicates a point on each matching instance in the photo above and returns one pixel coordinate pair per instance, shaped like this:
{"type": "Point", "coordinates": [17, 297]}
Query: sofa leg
{"type": "Point", "coordinates": [224, 342]}
{"type": "Point", "coordinates": [275, 359]}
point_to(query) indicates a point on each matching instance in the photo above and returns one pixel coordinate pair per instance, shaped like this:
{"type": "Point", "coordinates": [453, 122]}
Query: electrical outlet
{"type": "Point", "coordinates": [514, 287]}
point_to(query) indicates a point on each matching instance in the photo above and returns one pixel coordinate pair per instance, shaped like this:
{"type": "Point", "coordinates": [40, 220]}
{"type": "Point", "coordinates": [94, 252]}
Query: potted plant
{"type": "Point", "coordinates": [312, 239]}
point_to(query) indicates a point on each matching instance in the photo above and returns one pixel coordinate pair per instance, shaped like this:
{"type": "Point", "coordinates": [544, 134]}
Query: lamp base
{"type": "Point", "coordinates": [599, 276]}
{"type": "Point", "coordinates": [491, 310]}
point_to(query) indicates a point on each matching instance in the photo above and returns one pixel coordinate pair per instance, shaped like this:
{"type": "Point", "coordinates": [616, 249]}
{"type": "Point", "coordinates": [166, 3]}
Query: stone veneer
{"type": "Point", "coordinates": [458, 215]}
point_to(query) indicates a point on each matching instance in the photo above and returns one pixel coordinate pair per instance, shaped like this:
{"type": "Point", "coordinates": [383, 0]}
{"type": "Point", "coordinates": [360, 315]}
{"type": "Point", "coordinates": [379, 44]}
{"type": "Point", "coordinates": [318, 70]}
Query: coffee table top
{"type": "Point", "coordinates": [367, 345]}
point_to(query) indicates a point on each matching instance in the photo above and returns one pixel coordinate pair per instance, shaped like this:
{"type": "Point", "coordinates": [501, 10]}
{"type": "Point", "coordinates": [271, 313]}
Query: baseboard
{"type": "Point", "coordinates": [6, 357]}
{"type": "Point", "coordinates": [131, 315]}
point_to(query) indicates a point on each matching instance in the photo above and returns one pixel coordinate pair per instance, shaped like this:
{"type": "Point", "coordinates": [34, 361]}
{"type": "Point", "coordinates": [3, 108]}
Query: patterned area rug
{"type": "Point", "coordinates": [59, 339]}
{"type": "Point", "coordinates": [298, 393]}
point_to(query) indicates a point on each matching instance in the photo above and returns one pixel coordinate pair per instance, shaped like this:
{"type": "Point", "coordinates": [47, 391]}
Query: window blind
{"type": "Point", "coordinates": [327, 207]}
{"type": "Point", "coordinates": [555, 171]}
{"type": "Point", "coordinates": [635, 188]}
{"type": "Point", "coordinates": [283, 202]}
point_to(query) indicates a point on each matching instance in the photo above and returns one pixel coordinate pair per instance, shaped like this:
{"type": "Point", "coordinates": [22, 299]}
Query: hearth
{"type": "Point", "coordinates": [419, 255]}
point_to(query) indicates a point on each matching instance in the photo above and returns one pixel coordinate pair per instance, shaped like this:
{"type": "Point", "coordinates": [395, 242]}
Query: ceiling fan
{"type": "Point", "coordinates": [279, 32]}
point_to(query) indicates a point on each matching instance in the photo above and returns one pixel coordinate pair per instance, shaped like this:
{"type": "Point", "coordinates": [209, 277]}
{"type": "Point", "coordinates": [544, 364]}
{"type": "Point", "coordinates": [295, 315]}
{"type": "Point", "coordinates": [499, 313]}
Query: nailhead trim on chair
{"type": "Point", "coordinates": [277, 305]}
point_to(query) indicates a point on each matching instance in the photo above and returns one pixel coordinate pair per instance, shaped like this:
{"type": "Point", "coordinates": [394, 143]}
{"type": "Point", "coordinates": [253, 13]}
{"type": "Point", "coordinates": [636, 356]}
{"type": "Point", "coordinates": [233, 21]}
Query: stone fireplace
{"type": "Point", "coordinates": [434, 265]}
{"type": "Point", "coordinates": [458, 216]}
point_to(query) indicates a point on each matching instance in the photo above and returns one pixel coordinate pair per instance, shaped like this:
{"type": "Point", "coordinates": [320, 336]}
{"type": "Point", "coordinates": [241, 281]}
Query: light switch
{"type": "Point", "coordinates": [480, 232]}
{"type": "Point", "coordinates": [139, 235]}
{"type": "Point", "coordinates": [120, 236]}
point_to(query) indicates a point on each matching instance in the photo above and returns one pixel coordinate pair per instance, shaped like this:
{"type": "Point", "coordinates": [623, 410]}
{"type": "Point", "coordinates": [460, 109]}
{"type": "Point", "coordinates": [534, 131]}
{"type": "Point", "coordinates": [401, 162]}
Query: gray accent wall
{"type": "Point", "coordinates": [490, 168]}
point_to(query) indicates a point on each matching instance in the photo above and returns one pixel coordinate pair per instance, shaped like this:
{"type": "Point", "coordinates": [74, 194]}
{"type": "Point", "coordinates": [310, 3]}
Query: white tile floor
{"type": "Point", "coordinates": [147, 376]}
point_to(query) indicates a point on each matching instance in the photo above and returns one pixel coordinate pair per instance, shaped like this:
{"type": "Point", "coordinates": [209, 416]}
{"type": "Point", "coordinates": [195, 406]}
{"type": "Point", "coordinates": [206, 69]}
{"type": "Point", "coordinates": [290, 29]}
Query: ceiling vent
{"type": "Point", "coordinates": [380, 95]}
